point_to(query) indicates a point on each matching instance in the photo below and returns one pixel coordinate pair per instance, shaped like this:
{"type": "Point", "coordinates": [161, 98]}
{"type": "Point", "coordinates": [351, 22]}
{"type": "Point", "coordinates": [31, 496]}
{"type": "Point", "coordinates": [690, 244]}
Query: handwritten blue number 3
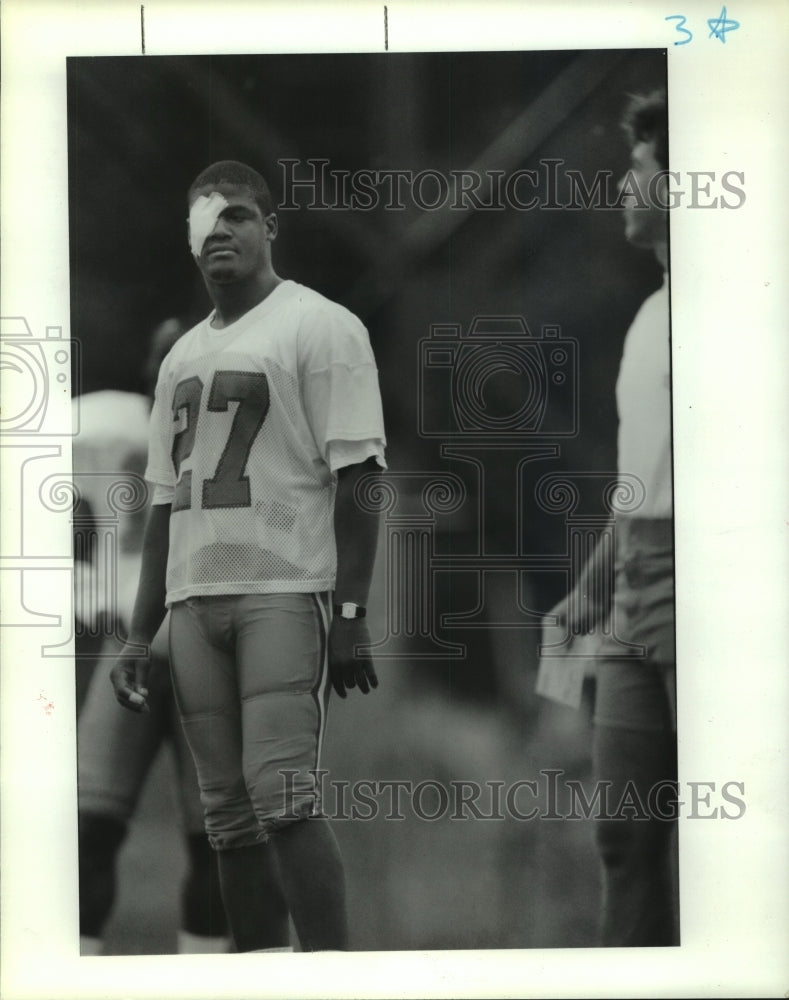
{"type": "Point", "coordinates": [681, 27]}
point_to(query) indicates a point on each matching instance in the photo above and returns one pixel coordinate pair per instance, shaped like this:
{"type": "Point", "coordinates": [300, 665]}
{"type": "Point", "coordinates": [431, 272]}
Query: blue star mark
{"type": "Point", "coordinates": [719, 26]}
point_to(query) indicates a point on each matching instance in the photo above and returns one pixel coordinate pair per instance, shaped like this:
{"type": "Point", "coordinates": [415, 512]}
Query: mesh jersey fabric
{"type": "Point", "coordinates": [241, 429]}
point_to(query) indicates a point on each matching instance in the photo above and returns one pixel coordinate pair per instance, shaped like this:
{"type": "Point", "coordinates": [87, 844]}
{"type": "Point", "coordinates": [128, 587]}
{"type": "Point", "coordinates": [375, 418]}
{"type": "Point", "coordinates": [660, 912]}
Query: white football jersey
{"type": "Point", "coordinates": [242, 430]}
{"type": "Point", "coordinates": [108, 460]}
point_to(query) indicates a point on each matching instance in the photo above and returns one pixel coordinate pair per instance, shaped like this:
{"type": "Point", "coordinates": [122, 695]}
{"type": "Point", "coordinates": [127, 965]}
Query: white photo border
{"type": "Point", "coordinates": [728, 112]}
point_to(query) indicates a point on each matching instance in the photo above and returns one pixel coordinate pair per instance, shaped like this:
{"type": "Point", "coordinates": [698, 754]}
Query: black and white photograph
{"type": "Point", "coordinates": [365, 537]}
{"type": "Point", "coordinates": [422, 232]}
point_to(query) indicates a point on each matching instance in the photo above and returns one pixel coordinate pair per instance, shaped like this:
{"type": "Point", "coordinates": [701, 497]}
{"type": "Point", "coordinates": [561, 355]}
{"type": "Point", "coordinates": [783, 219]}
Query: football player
{"type": "Point", "coordinates": [267, 417]}
{"type": "Point", "coordinates": [116, 750]}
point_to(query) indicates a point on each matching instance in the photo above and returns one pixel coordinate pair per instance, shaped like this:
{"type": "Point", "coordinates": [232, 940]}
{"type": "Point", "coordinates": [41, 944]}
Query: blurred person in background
{"type": "Point", "coordinates": [116, 751]}
{"type": "Point", "coordinates": [634, 741]}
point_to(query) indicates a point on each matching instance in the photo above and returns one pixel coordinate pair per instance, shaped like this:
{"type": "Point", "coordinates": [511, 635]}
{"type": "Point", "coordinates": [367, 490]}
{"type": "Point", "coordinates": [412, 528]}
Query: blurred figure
{"type": "Point", "coordinates": [116, 750]}
{"type": "Point", "coordinates": [634, 742]}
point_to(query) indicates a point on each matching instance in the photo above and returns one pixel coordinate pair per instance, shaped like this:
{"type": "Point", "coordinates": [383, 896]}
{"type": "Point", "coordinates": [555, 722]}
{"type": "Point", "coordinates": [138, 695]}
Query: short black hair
{"type": "Point", "coordinates": [233, 172]}
{"type": "Point", "coordinates": [646, 120]}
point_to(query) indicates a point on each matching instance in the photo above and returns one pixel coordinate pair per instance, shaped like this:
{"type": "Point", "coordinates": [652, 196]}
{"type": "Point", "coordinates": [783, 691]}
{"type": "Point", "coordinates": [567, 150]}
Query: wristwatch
{"type": "Point", "coordinates": [350, 610]}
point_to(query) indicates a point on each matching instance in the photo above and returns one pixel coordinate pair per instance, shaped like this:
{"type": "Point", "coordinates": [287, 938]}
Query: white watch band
{"type": "Point", "coordinates": [349, 610]}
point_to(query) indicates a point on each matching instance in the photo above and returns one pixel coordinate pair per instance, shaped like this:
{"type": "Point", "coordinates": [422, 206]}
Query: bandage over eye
{"type": "Point", "coordinates": [203, 214]}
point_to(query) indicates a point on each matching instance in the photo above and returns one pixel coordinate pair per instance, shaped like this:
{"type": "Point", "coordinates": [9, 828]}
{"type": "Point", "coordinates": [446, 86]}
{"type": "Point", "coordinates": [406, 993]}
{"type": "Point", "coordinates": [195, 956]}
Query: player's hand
{"type": "Point", "coordinates": [346, 669]}
{"type": "Point", "coordinates": [129, 676]}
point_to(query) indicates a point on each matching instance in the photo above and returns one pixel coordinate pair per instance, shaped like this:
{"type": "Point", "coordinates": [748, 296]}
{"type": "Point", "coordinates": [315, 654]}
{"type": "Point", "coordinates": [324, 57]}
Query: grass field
{"type": "Point", "coordinates": [412, 883]}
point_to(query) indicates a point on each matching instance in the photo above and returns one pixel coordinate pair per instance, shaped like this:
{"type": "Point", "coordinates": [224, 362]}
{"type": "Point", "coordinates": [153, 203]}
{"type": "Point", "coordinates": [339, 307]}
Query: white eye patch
{"type": "Point", "coordinates": [203, 214]}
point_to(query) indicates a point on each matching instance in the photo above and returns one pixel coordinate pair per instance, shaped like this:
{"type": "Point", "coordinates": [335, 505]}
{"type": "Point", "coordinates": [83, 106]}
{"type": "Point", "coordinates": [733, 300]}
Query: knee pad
{"type": "Point", "coordinates": [202, 910]}
{"type": "Point", "coordinates": [100, 837]}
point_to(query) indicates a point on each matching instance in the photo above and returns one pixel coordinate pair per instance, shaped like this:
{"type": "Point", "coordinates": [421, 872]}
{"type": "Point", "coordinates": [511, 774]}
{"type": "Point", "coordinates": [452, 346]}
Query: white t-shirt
{"type": "Point", "coordinates": [249, 427]}
{"type": "Point", "coordinates": [643, 396]}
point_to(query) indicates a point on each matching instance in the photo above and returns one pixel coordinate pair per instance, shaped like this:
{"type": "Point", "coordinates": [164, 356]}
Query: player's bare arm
{"type": "Point", "coordinates": [130, 673]}
{"type": "Point", "coordinates": [356, 535]}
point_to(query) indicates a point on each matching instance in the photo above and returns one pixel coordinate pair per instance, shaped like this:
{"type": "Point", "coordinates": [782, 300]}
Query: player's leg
{"type": "Point", "coordinates": [254, 900]}
{"type": "Point", "coordinates": [637, 844]}
{"type": "Point", "coordinates": [88, 644]}
{"type": "Point", "coordinates": [115, 750]}
{"type": "Point", "coordinates": [204, 681]}
{"type": "Point", "coordinates": [283, 675]}
{"type": "Point", "coordinates": [203, 928]}
{"type": "Point", "coordinates": [204, 925]}
{"type": "Point", "coordinates": [100, 838]}
{"type": "Point", "coordinates": [313, 880]}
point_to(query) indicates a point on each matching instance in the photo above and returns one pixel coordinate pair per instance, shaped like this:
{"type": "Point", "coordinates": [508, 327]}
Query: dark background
{"type": "Point", "coordinates": [140, 129]}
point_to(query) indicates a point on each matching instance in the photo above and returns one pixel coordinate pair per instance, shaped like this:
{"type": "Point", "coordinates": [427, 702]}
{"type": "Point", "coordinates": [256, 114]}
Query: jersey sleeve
{"type": "Point", "coordinates": [162, 495]}
{"type": "Point", "coordinates": [339, 382]}
{"type": "Point", "coordinates": [160, 471]}
{"type": "Point", "coordinates": [343, 453]}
